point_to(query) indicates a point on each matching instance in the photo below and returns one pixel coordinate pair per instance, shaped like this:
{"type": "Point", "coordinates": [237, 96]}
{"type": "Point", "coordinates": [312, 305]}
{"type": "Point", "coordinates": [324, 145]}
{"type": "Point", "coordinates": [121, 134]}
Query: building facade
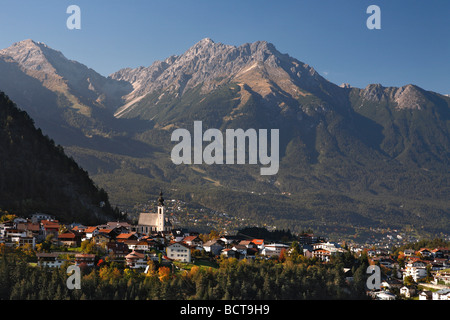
{"type": "Point", "coordinates": [154, 222]}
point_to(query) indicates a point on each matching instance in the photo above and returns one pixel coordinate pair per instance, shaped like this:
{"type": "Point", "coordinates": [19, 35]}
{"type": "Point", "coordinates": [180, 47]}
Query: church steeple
{"type": "Point", "coordinates": [161, 199]}
{"type": "Point", "coordinates": [161, 217]}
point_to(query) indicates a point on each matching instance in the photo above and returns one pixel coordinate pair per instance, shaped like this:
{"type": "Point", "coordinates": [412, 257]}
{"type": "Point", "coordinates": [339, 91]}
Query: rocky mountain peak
{"type": "Point", "coordinates": [406, 97]}
{"type": "Point", "coordinates": [209, 64]}
{"type": "Point", "coordinates": [29, 55]}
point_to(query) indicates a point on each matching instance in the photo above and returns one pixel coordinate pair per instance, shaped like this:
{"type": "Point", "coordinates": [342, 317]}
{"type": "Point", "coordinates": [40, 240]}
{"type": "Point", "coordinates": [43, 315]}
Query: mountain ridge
{"type": "Point", "coordinates": [201, 64]}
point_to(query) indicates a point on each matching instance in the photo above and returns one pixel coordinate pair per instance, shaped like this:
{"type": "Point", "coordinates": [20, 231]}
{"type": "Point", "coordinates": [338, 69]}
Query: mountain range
{"type": "Point", "coordinates": [351, 158]}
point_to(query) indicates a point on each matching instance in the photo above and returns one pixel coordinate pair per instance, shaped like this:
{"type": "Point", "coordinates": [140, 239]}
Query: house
{"type": "Point", "coordinates": [117, 249]}
{"type": "Point", "coordinates": [49, 227]}
{"type": "Point", "coordinates": [121, 227]}
{"type": "Point", "coordinates": [14, 237]}
{"type": "Point", "coordinates": [387, 262]}
{"type": "Point", "coordinates": [136, 260]}
{"type": "Point", "coordinates": [424, 252]}
{"type": "Point", "coordinates": [322, 254]}
{"type": "Point", "coordinates": [230, 253]}
{"type": "Point", "coordinates": [213, 246]}
{"type": "Point", "coordinates": [391, 283]}
{"type": "Point", "coordinates": [416, 269]}
{"type": "Point", "coordinates": [384, 295]}
{"type": "Point", "coordinates": [178, 235]}
{"type": "Point", "coordinates": [444, 251]}
{"type": "Point", "coordinates": [437, 253]}
{"type": "Point", "coordinates": [78, 227]}
{"type": "Point", "coordinates": [407, 292]}
{"type": "Point", "coordinates": [32, 229]}
{"type": "Point", "coordinates": [438, 264]}
{"type": "Point", "coordinates": [142, 246]}
{"type": "Point", "coordinates": [122, 237]}
{"type": "Point", "coordinates": [179, 251]}
{"type": "Point", "coordinates": [307, 238]}
{"type": "Point", "coordinates": [442, 277]}
{"type": "Point", "coordinates": [154, 244]}
{"type": "Point", "coordinates": [332, 246]}
{"type": "Point", "coordinates": [228, 240]}
{"type": "Point", "coordinates": [50, 260]}
{"type": "Point", "coordinates": [425, 295]}
{"type": "Point", "coordinates": [274, 249]}
{"type": "Point", "coordinates": [26, 241]}
{"type": "Point", "coordinates": [38, 217]}
{"type": "Point", "coordinates": [241, 250]}
{"type": "Point", "coordinates": [112, 233]}
{"type": "Point", "coordinates": [308, 251]}
{"type": "Point", "coordinates": [193, 240]}
{"type": "Point", "coordinates": [409, 252]}
{"type": "Point", "coordinates": [259, 243]}
{"type": "Point", "coordinates": [131, 244]}
{"type": "Point", "coordinates": [85, 259]}
{"type": "Point", "coordinates": [443, 294]}
{"type": "Point", "coordinates": [324, 250]}
{"type": "Point", "coordinates": [70, 239]}
{"type": "Point", "coordinates": [90, 232]}
{"type": "Point", "coordinates": [248, 244]}
{"type": "Point", "coordinates": [101, 238]}
{"type": "Point", "coordinates": [4, 227]}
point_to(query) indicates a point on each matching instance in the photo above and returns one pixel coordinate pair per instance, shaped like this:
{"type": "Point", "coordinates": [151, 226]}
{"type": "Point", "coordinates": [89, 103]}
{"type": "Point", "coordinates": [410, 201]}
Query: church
{"type": "Point", "coordinates": [154, 222]}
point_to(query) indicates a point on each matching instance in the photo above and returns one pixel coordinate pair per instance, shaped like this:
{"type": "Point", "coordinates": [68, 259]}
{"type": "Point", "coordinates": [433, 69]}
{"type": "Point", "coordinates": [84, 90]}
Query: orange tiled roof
{"type": "Point", "coordinates": [105, 230]}
{"type": "Point", "coordinates": [90, 229]}
{"type": "Point", "coordinates": [189, 238]}
{"type": "Point", "coordinates": [125, 235]}
{"type": "Point", "coordinates": [48, 223]}
{"type": "Point", "coordinates": [67, 235]}
{"type": "Point", "coordinates": [258, 241]}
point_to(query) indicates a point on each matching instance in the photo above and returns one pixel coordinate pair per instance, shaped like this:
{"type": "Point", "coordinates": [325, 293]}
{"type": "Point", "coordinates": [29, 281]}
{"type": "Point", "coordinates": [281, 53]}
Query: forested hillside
{"type": "Point", "coordinates": [37, 176]}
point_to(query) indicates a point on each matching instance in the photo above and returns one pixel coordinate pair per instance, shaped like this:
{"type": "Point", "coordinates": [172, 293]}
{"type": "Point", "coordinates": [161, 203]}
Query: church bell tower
{"type": "Point", "coordinates": [161, 218]}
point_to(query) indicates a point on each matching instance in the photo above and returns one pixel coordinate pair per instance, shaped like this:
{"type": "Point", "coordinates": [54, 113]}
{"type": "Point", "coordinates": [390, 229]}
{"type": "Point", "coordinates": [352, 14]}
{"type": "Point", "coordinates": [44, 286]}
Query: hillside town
{"type": "Point", "coordinates": [422, 274]}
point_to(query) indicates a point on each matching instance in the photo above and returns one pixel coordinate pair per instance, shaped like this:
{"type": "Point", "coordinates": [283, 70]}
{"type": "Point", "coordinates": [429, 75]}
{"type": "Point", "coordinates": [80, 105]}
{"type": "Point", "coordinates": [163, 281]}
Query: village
{"type": "Point", "coordinates": [422, 274]}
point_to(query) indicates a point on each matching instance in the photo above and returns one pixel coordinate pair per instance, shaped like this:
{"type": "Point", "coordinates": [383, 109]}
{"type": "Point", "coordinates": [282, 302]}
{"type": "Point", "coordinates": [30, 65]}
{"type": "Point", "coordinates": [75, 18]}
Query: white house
{"type": "Point", "coordinates": [425, 295]}
{"type": "Point", "coordinates": [443, 294]}
{"type": "Point", "coordinates": [179, 251]}
{"type": "Point", "coordinates": [324, 250]}
{"type": "Point", "coordinates": [384, 295]}
{"type": "Point", "coordinates": [136, 260]}
{"type": "Point", "coordinates": [416, 269]}
{"type": "Point", "coordinates": [49, 260]}
{"type": "Point", "coordinates": [407, 292]}
{"type": "Point", "coordinates": [274, 249]}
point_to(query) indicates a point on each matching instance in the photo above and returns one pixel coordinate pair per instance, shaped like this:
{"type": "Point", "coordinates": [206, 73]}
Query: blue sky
{"type": "Point", "coordinates": [413, 45]}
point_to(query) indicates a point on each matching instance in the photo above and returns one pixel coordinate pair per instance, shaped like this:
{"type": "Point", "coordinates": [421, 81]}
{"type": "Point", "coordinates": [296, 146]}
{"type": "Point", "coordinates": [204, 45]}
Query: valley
{"type": "Point", "coordinates": [350, 158]}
